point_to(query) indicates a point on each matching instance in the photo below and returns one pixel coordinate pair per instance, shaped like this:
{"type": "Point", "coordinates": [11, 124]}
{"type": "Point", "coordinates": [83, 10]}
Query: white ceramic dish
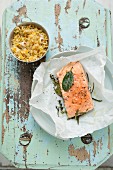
{"type": "Point", "coordinates": [44, 121]}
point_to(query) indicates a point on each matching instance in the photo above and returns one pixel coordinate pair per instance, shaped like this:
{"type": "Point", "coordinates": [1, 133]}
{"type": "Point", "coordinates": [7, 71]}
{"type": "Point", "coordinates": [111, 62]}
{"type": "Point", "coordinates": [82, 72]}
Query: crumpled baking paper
{"type": "Point", "coordinates": [44, 97]}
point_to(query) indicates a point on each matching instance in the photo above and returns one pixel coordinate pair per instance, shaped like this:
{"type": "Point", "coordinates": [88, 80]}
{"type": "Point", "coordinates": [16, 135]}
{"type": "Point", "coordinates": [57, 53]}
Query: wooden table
{"type": "Point", "coordinates": [23, 142]}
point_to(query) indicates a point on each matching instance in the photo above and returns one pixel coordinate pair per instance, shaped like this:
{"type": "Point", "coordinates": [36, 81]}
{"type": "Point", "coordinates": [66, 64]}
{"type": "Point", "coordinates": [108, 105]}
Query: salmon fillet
{"type": "Point", "coordinates": [77, 99]}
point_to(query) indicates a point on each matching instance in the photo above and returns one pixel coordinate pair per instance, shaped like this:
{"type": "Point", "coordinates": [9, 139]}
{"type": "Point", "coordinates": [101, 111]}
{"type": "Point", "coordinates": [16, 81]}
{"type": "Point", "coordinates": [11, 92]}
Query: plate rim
{"type": "Point", "coordinates": [79, 50]}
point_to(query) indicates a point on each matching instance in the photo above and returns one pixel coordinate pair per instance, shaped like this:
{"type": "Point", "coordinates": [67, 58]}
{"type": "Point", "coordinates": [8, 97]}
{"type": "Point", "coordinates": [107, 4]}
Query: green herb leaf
{"type": "Point", "coordinates": [67, 81]}
{"type": "Point", "coordinates": [77, 118]}
{"type": "Point", "coordinates": [56, 85]}
{"type": "Point", "coordinates": [58, 90]}
{"type": "Point", "coordinates": [77, 115]}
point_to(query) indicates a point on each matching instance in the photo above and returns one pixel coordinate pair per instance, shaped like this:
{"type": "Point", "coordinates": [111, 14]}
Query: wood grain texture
{"type": "Point", "coordinates": [17, 79]}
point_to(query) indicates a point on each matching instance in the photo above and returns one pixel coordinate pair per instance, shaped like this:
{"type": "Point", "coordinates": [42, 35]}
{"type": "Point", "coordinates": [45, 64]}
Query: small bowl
{"type": "Point", "coordinates": [25, 24]}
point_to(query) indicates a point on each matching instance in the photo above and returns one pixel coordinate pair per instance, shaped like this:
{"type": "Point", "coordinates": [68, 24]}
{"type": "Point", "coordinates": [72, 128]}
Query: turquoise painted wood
{"type": "Point", "coordinates": [23, 142]}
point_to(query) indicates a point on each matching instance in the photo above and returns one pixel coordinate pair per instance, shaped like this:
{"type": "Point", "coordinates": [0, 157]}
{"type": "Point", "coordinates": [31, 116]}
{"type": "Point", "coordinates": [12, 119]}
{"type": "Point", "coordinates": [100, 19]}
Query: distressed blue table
{"type": "Point", "coordinates": [70, 24]}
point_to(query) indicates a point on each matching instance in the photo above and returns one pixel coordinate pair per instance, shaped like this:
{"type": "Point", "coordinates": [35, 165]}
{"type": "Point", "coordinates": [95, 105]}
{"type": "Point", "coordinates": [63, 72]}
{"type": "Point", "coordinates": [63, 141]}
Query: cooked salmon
{"type": "Point", "coordinates": [77, 99]}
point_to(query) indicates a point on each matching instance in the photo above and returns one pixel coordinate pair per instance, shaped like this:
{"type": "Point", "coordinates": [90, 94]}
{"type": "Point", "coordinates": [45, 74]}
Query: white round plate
{"type": "Point", "coordinates": [44, 120]}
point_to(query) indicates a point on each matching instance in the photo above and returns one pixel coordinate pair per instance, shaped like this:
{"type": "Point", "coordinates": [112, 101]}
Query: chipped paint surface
{"type": "Point", "coordinates": [80, 154]}
{"type": "Point", "coordinates": [57, 13]}
{"type": "Point", "coordinates": [33, 147]}
{"type": "Point", "coordinates": [3, 132]}
{"type": "Point", "coordinates": [97, 146]}
{"type": "Point", "coordinates": [22, 11]}
{"type": "Point", "coordinates": [16, 19]}
{"type": "Point", "coordinates": [68, 6]}
{"type": "Point", "coordinates": [59, 41]}
{"type": "Point", "coordinates": [108, 137]}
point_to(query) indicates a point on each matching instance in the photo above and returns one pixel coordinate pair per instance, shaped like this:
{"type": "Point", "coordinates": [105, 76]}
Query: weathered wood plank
{"type": "Point", "coordinates": [65, 33]}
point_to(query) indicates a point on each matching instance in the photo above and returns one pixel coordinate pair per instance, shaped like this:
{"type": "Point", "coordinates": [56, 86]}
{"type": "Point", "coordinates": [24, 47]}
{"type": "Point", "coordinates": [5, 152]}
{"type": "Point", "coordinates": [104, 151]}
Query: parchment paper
{"type": "Point", "coordinates": [44, 97]}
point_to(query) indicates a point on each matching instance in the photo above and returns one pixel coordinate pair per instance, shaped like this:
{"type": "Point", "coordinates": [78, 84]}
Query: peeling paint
{"type": "Point", "coordinates": [3, 133]}
{"type": "Point", "coordinates": [59, 27]}
{"type": "Point", "coordinates": [6, 113]}
{"type": "Point", "coordinates": [97, 145]}
{"type": "Point", "coordinates": [16, 19]}
{"type": "Point", "coordinates": [77, 10]}
{"type": "Point", "coordinates": [7, 116]}
{"type": "Point", "coordinates": [108, 137]}
{"type": "Point", "coordinates": [24, 128]}
{"type": "Point", "coordinates": [14, 83]}
{"type": "Point", "coordinates": [25, 155]}
{"type": "Point", "coordinates": [105, 25]}
{"type": "Point", "coordinates": [22, 74]}
{"type": "Point", "coordinates": [22, 11]}
{"type": "Point", "coordinates": [25, 77]}
{"type": "Point", "coordinates": [25, 73]}
{"type": "Point", "coordinates": [81, 154]}
{"type": "Point", "coordinates": [68, 6]}
{"type": "Point", "coordinates": [95, 148]}
{"type": "Point", "coordinates": [57, 13]}
{"type": "Point", "coordinates": [89, 160]}
{"type": "Point", "coordinates": [59, 41]}
{"type": "Point", "coordinates": [101, 144]}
